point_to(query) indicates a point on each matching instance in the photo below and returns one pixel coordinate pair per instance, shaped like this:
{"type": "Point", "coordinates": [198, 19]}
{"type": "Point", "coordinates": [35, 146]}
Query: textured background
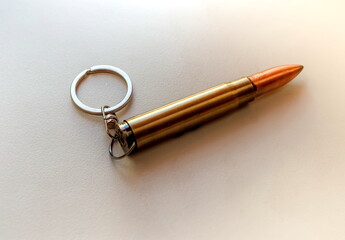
{"type": "Point", "coordinates": [272, 170]}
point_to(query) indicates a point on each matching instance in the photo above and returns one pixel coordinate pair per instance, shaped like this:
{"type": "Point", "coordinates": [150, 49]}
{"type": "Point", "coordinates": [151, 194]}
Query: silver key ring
{"type": "Point", "coordinates": [101, 69]}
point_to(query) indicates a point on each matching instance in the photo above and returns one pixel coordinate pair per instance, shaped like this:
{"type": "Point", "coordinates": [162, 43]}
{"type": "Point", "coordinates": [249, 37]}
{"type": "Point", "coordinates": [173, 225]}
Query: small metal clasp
{"type": "Point", "coordinates": [110, 122]}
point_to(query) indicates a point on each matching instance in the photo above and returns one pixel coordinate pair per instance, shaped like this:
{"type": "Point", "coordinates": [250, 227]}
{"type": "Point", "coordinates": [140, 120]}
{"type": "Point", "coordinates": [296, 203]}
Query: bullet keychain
{"type": "Point", "coordinates": [177, 117]}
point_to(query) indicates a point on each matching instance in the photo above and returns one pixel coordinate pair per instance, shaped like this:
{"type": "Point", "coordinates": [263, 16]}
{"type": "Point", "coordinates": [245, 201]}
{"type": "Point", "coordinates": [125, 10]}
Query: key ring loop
{"type": "Point", "coordinates": [101, 69]}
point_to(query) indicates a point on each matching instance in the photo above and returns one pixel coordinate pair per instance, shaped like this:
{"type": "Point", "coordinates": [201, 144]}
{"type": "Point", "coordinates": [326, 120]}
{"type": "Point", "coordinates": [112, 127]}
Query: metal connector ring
{"type": "Point", "coordinates": [111, 152]}
{"type": "Point", "coordinates": [101, 69]}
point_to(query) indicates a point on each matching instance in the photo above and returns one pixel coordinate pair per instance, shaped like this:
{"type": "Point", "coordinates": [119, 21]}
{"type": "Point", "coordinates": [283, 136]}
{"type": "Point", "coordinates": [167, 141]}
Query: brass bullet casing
{"type": "Point", "coordinates": [185, 114]}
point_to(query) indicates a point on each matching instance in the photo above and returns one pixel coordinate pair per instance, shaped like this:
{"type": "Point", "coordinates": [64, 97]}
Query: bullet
{"type": "Point", "coordinates": [188, 113]}
{"type": "Point", "coordinates": [274, 78]}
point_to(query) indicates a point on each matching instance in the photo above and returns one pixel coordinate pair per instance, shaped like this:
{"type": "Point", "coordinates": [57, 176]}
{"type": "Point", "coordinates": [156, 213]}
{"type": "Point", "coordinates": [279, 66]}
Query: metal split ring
{"type": "Point", "coordinates": [101, 69]}
{"type": "Point", "coordinates": [111, 152]}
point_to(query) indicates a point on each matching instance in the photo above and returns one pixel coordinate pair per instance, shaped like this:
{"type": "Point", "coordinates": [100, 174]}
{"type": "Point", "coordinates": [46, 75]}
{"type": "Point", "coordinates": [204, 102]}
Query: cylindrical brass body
{"type": "Point", "coordinates": [187, 113]}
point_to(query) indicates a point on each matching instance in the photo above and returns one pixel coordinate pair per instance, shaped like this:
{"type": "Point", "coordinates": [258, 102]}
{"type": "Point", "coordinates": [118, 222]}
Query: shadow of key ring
{"type": "Point", "coordinates": [101, 69]}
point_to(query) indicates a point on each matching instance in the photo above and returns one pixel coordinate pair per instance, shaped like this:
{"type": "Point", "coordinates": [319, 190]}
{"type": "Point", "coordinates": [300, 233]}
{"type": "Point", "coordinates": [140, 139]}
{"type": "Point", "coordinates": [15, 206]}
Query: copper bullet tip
{"type": "Point", "coordinates": [273, 78]}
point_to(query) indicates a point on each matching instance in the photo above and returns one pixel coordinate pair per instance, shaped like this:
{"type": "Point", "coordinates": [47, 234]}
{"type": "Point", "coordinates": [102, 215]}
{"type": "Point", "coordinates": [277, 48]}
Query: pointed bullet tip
{"type": "Point", "coordinates": [274, 78]}
{"type": "Point", "coordinates": [295, 67]}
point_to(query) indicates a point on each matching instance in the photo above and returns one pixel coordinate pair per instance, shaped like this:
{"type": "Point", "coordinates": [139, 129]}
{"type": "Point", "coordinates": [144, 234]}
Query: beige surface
{"type": "Point", "coordinates": [273, 170]}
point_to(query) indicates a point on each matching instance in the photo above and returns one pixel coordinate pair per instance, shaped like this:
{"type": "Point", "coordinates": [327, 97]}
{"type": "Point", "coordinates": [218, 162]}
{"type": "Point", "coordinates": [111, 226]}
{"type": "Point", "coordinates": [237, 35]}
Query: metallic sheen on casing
{"type": "Point", "coordinates": [185, 114]}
